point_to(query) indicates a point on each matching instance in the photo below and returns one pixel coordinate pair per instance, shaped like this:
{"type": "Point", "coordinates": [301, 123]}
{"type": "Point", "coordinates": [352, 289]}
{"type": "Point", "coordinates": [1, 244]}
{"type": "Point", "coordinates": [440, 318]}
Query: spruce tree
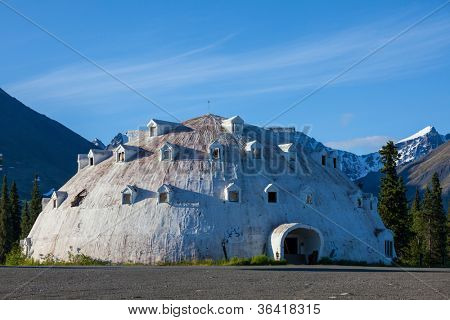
{"type": "Point", "coordinates": [35, 203]}
{"type": "Point", "coordinates": [392, 203]}
{"type": "Point", "coordinates": [4, 214]}
{"type": "Point", "coordinates": [448, 235]}
{"type": "Point", "coordinates": [25, 227]}
{"type": "Point", "coordinates": [15, 213]}
{"type": "Point", "coordinates": [438, 223]}
{"type": "Point", "coordinates": [417, 246]}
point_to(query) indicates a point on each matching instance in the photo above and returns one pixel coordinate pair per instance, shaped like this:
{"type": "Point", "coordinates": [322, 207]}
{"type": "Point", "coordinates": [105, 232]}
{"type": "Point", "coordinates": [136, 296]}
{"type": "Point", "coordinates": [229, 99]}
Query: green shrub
{"type": "Point", "coordinates": [84, 260]}
{"type": "Point", "coordinates": [235, 261]}
{"type": "Point", "coordinates": [260, 260]}
{"type": "Point", "coordinates": [15, 257]}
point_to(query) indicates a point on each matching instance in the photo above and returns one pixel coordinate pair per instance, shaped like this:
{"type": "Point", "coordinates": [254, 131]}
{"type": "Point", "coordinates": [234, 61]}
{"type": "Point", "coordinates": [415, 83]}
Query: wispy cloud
{"type": "Point", "coordinates": [346, 118]}
{"type": "Point", "coordinates": [198, 73]}
{"type": "Point", "coordinates": [359, 145]}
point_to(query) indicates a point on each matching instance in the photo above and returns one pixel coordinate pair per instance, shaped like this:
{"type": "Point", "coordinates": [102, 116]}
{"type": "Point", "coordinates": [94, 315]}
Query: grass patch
{"type": "Point", "coordinates": [16, 258]}
{"type": "Point", "coordinates": [260, 260]}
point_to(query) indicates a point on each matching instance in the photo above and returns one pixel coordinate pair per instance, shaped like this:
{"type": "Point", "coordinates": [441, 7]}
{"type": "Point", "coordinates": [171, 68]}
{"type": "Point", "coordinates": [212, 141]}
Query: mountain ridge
{"type": "Point", "coordinates": [35, 144]}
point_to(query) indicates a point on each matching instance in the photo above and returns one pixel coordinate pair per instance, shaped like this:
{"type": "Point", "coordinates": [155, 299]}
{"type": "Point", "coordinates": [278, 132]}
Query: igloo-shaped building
{"type": "Point", "coordinates": [196, 190]}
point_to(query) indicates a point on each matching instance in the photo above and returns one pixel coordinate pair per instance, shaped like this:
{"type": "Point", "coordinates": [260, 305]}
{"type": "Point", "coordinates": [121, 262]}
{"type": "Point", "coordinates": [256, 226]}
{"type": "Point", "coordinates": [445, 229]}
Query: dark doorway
{"type": "Point", "coordinates": [272, 197]}
{"type": "Point", "coordinates": [290, 246]}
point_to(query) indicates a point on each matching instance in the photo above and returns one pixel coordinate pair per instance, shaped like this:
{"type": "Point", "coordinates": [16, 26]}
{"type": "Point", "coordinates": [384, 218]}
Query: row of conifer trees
{"type": "Point", "coordinates": [421, 231]}
{"type": "Point", "coordinates": [16, 217]}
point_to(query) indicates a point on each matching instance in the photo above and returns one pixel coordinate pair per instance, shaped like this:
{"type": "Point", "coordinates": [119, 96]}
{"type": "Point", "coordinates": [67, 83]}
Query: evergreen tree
{"type": "Point", "coordinates": [438, 224]}
{"type": "Point", "coordinates": [448, 235]}
{"type": "Point", "coordinates": [4, 217]}
{"type": "Point", "coordinates": [15, 213]}
{"type": "Point", "coordinates": [35, 203]}
{"type": "Point", "coordinates": [25, 227]}
{"type": "Point", "coordinates": [392, 203]}
{"type": "Point", "coordinates": [417, 246]}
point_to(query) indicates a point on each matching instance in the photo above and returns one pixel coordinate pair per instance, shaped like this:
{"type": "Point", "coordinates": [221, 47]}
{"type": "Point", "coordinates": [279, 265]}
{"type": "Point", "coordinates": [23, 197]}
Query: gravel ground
{"type": "Point", "coordinates": [281, 282]}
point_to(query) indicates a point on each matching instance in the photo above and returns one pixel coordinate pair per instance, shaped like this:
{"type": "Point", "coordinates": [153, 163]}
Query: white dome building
{"type": "Point", "coordinates": [210, 188]}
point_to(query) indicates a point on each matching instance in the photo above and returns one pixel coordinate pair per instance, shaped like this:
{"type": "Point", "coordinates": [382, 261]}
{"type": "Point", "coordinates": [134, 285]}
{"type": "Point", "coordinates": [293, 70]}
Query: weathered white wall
{"type": "Point", "coordinates": [199, 222]}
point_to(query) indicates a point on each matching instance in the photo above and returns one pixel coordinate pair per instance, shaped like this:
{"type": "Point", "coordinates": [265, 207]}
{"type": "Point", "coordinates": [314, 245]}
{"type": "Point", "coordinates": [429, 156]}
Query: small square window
{"type": "Point", "coordinates": [166, 155]}
{"type": "Point", "coordinates": [126, 198]}
{"type": "Point", "coordinates": [91, 161]}
{"type": "Point", "coordinates": [216, 153]}
{"type": "Point", "coordinates": [257, 153]}
{"type": "Point", "coordinates": [55, 203]}
{"type": "Point", "coordinates": [233, 196]}
{"type": "Point", "coordinates": [163, 197]}
{"type": "Point", "coordinates": [335, 163]}
{"type": "Point", "coordinates": [309, 199]}
{"type": "Point", "coordinates": [324, 160]}
{"type": "Point", "coordinates": [272, 197]}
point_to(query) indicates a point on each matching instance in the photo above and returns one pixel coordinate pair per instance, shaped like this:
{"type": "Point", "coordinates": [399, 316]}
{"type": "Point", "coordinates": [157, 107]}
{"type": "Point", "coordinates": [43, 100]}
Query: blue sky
{"type": "Point", "coordinates": [252, 58]}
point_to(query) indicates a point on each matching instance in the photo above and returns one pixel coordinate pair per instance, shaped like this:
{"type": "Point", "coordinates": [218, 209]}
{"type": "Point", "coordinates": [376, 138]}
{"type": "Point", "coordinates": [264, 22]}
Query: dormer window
{"type": "Point", "coordinates": [272, 193]}
{"type": "Point", "coordinates": [168, 152]}
{"type": "Point", "coordinates": [166, 155]}
{"type": "Point", "coordinates": [309, 199]}
{"type": "Point", "coordinates": [126, 198]}
{"type": "Point", "coordinates": [58, 198]}
{"type": "Point", "coordinates": [233, 125]}
{"type": "Point", "coordinates": [163, 197]}
{"type": "Point", "coordinates": [253, 149]}
{"type": "Point", "coordinates": [216, 151]}
{"type": "Point", "coordinates": [165, 194]}
{"type": "Point", "coordinates": [153, 131]}
{"type": "Point", "coordinates": [125, 153]}
{"type": "Point", "coordinates": [160, 127]}
{"type": "Point", "coordinates": [233, 196]}
{"type": "Point", "coordinates": [232, 193]}
{"type": "Point", "coordinates": [288, 150]}
{"type": "Point", "coordinates": [129, 195]}
{"type": "Point", "coordinates": [97, 156]}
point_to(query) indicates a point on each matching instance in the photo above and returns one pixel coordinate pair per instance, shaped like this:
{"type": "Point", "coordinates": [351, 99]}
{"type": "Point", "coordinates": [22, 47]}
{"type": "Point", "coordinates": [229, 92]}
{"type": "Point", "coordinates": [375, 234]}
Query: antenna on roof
{"type": "Point", "coordinates": [209, 107]}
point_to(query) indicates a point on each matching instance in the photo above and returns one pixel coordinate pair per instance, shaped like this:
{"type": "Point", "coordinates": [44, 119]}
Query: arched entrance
{"type": "Point", "coordinates": [297, 243]}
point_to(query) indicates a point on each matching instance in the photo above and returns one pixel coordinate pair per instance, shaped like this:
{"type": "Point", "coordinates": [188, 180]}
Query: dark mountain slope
{"type": "Point", "coordinates": [418, 174]}
{"type": "Point", "coordinates": [33, 144]}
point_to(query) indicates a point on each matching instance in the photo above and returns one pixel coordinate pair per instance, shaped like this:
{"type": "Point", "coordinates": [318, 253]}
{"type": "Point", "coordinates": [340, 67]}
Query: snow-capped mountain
{"type": "Point", "coordinates": [117, 140]}
{"type": "Point", "coordinates": [410, 149]}
{"type": "Point", "coordinates": [419, 144]}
